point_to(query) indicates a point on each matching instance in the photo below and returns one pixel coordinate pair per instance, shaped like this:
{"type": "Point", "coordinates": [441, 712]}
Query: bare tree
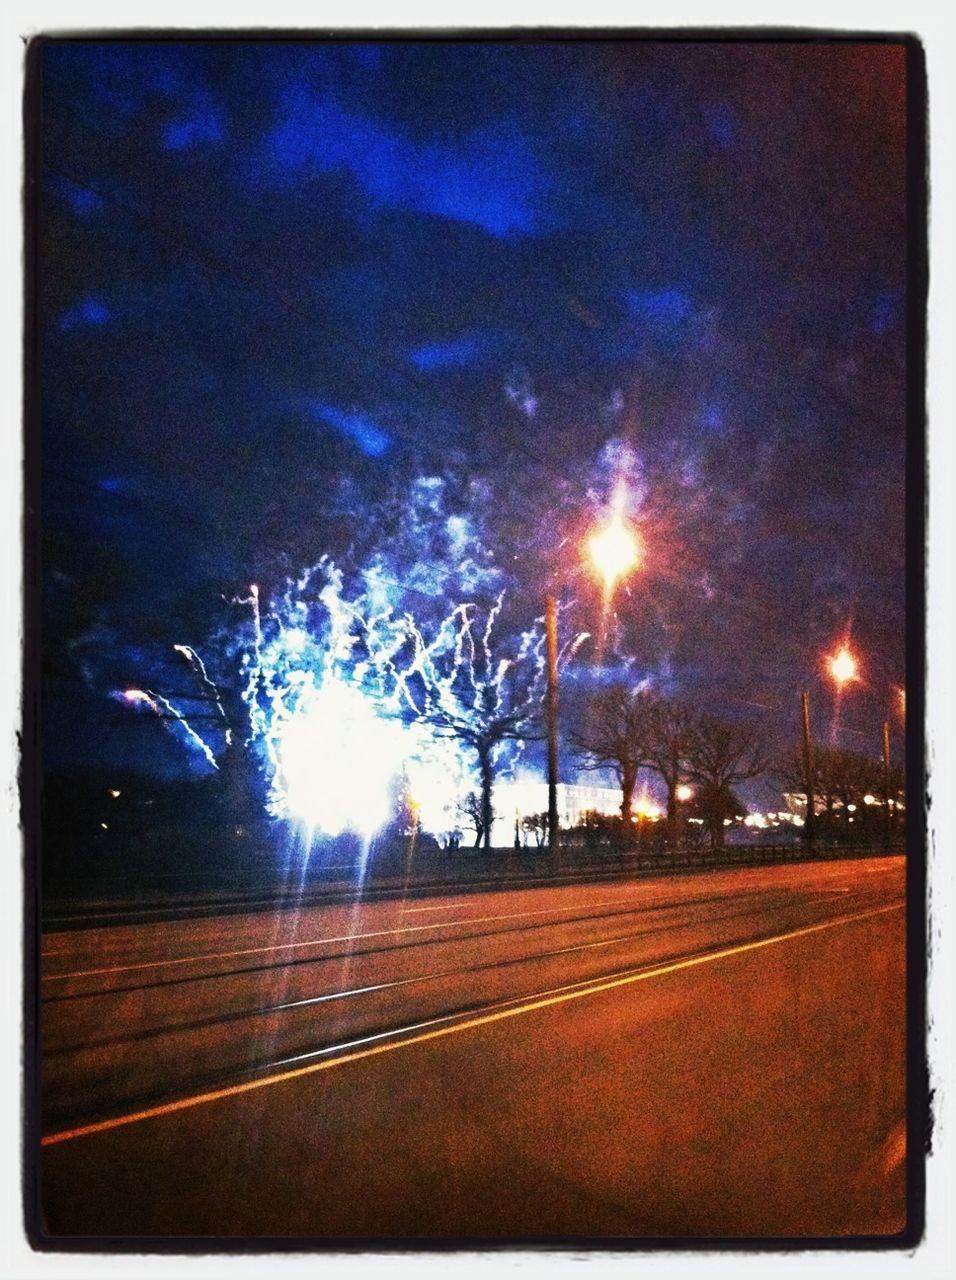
{"type": "Point", "coordinates": [613, 737]}
{"type": "Point", "coordinates": [789, 771]}
{"type": "Point", "coordinates": [536, 824]}
{"type": "Point", "coordinates": [669, 735]}
{"type": "Point", "coordinates": [841, 779]}
{"type": "Point", "coordinates": [484, 730]}
{"type": "Point", "coordinates": [715, 807]}
{"type": "Point", "coordinates": [848, 776]}
{"type": "Point", "coordinates": [485, 700]}
{"type": "Point", "coordinates": [471, 810]}
{"type": "Point", "coordinates": [720, 755]}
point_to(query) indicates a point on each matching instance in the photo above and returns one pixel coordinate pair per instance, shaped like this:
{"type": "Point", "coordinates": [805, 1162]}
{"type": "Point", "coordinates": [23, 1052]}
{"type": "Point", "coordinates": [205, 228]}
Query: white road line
{"type": "Point", "coordinates": [402, 1040]}
{"type": "Point", "coordinates": [317, 942]}
{"type": "Point", "coordinates": [650, 905]}
{"type": "Point", "coordinates": [442, 906]}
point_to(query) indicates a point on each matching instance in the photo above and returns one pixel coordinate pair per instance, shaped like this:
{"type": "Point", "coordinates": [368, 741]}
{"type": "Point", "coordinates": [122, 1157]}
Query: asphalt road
{"type": "Point", "coordinates": [720, 1054]}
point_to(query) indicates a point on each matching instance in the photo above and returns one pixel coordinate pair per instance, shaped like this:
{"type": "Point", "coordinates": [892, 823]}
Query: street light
{"type": "Point", "coordinates": [810, 821]}
{"type": "Point", "coordinates": [615, 550]}
{"type": "Point", "coordinates": [843, 667]}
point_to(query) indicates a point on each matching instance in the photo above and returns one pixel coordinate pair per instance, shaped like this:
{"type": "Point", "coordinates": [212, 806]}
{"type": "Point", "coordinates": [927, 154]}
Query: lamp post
{"type": "Point", "coordinates": [615, 550]}
{"type": "Point", "coordinates": [551, 628]}
{"type": "Point", "coordinates": [843, 668]}
{"type": "Point", "coordinates": [886, 786]}
{"type": "Point", "coordinates": [808, 770]}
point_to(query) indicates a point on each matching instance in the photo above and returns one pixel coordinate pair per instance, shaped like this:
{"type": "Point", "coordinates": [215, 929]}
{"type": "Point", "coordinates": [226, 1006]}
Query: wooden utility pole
{"type": "Point", "coordinates": [808, 770]}
{"type": "Point", "coordinates": [887, 811]}
{"type": "Point", "coordinates": [551, 627]}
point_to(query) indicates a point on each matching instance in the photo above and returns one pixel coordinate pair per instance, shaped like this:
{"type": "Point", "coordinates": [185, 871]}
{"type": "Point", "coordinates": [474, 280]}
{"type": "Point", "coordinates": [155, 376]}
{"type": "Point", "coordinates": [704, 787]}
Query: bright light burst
{"type": "Point", "coordinates": [358, 711]}
{"type": "Point", "coordinates": [614, 550]}
{"type": "Point", "coordinates": [337, 759]}
{"type": "Point", "coordinates": [843, 666]}
{"type": "Point", "coordinates": [344, 696]}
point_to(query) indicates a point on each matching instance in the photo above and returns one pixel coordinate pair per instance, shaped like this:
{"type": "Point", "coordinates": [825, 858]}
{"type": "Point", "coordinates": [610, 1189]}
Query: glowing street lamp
{"type": "Point", "coordinates": [684, 792]}
{"type": "Point", "coordinates": [615, 550]}
{"type": "Point", "coordinates": [843, 667]}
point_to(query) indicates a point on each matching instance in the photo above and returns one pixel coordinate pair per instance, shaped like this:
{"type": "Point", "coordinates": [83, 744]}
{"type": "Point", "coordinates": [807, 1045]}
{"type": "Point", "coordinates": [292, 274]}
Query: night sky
{"type": "Point", "coordinates": [425, 302]}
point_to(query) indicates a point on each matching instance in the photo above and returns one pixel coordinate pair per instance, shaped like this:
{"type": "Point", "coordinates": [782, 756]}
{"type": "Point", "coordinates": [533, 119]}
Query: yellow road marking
{"type": "Point", "coordinates": [229, 1091]}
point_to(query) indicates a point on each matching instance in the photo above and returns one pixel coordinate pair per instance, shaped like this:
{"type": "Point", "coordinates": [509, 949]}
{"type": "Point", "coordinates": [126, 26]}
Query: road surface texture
{"type": "Point", "coordinates": [719, 1054]}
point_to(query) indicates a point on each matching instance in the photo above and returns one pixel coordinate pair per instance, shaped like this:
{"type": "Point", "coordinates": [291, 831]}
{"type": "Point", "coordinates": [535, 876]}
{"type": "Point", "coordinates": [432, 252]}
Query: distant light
{"type": "Point", "coordinates": [115, 794]}
{"type": "Point", "coordinates": [868, 799]}
{"type": "Point", "coordinates": [644, 807]}
{"type": "Point", "coordinates": [614, 550]}
{"type": "Point", "coordinates": [727, 821]}
{"type": "Point", "coordinates": [684, 792]}
{"type": "Point", "coordinates": [104, 826]}
{"type": "Point", "coordinates": [851, 808]}
{"type": "Point", "coordinates": [843, 666]}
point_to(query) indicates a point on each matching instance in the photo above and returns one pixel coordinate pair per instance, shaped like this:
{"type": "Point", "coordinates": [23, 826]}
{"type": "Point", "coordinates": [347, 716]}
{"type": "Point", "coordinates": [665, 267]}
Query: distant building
{"type": "Point", "coordinates": [515, 801]}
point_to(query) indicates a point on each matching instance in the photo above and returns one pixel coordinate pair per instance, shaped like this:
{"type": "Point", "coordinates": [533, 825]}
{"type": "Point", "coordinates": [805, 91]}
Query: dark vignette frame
{"type": "Point", "coordinates": [919, 1120]}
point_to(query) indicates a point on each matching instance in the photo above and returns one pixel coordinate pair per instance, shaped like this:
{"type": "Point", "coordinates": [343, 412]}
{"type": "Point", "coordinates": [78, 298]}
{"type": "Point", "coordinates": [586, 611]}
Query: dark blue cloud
{"type": "Point", "coordinates": [202, 125]}
{"type": "Point", "coordinates": [662, 310]}
{"type": "Point", "coordinates": [119, 77]}
{"type": "Point", "coordinates": [450, 353]}
{"type": "Point", "coordinates": [80, 199]}
{"type": "Point", "coordinates": [368, 56]}
{"type": "Point", "coordinates": [491, 177]}
{"type": "Point", "coordinates": [371, 438]}
{"type": "Point", "coordinates": [89, 311]}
